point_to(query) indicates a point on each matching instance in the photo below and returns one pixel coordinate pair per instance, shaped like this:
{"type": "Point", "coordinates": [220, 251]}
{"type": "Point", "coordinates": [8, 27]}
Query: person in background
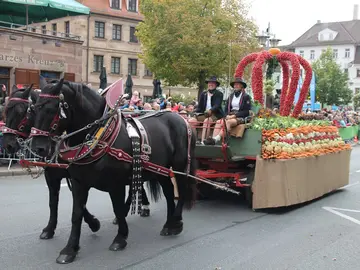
{"type": "Point", "coordinates": [134, 98]}
{"type": "Point", "coordinates": [147, 107]}
{"type": "Point", "coordinates": [168, 106]}
{"type": "Point", "coordinates": [156, 107]}
{"type": "Point", "coordinates": [209, 109]}
{"type": "Point", "coordinates": [3, 94]}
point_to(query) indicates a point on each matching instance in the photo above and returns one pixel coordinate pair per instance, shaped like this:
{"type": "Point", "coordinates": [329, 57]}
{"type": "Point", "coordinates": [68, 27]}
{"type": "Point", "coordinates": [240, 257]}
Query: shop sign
{"type": "Point", "coordinates": [30, 59]}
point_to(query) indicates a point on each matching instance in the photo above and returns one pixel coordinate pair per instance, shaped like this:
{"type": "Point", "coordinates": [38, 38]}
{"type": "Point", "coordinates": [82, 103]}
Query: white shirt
{"type": "Point", "coordinates": [208, 101]}
{"type": "Point", "coordinates": [235, 103]}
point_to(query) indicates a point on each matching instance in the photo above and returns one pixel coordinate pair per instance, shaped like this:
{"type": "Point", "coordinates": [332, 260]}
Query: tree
{"type": "Point", "coordinates": [356, 100]}
{"type": "Point", "coordinates": [331, 81]}
{"type": "Point", "coordinates": [185, 41]}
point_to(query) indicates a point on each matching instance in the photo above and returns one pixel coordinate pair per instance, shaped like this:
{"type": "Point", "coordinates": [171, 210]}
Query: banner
{"type": "Point", "coordinates": [312, 91]}
{"type": "Point", "coordinates": [297, 94]}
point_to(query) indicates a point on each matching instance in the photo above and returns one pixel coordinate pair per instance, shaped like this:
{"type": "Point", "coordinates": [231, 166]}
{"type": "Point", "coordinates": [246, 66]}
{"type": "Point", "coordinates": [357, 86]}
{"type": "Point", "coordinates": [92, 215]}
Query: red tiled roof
{"type": "Point", "coordinates": [103, 7]}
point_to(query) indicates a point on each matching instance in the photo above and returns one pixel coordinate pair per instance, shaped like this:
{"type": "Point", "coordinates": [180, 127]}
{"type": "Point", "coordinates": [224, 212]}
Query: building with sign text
{"type": "Point", "coordinates": [25, 55]}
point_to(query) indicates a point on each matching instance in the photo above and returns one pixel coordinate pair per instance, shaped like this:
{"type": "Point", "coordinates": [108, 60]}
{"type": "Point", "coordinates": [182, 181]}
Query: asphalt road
{"type": "Point", "coordinates": [221, 234]}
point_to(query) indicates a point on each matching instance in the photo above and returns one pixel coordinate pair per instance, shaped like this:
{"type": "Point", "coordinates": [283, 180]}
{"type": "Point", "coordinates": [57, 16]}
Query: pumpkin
{"type": "Point", "coordinates": [274, 51]}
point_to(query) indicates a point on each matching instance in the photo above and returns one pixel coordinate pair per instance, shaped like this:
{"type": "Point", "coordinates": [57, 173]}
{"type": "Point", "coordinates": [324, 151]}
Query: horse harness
{"type": "Point", "coordinates": [100, 142]}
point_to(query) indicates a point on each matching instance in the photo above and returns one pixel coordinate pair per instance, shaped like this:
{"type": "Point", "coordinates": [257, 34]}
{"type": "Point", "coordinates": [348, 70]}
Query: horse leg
{"type": "Point", "coordinates": [117, 198]}
{"type": "Point", "coordinates": [127, 206]}
{"type": "Point", "coordinates": [80, 195]}
{"type": "Point", "coordinates": [145, 211]}
{"type": "Point", "coordinates": [168, 191]}
{"type": "Point", "coordinates": [92, 221]}
{"type": "Point", "coordinates": [53, 184]}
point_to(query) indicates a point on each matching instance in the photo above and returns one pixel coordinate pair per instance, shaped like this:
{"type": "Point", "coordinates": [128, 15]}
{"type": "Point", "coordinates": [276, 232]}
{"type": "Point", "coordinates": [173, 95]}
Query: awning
{"type": "Point", "coordinates": [23, 12]}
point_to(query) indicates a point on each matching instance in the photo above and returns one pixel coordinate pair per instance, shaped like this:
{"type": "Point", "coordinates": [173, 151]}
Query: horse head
{"type": "Point", "coordinates": [19, 114]}
{"type": "Point", "coordinates": [62, 106]}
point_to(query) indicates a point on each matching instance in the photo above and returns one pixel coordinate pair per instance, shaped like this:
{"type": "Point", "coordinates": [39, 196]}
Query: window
{"type": "Point", "coordinates": [132, 5]}
{"type": "Point", "coordinates": [100, 29]}
{"type": "Point", "coordinates": [132, 35]}
{"type": "Point", "coordinates": [358, 73]}
{"type": "Point", "coordinates": [312, 54]}
{"type": "Point", "coordinates": [147, 72]}
{"type": "Point", "coordinates": [132, 67]}
{"type": "Point", "coordinates": [115, 4]}
{"type": "Point", "coordinates": [335, 53]}
{"type": "Point", "coordinates": [54, 29]}
{"type": "Point", "coordinates": [301, 53]}
{"type": "Point", "coordinates": [321, 37]}
{"type": "Point", "coordinates": [43, 28]}
{"type": "Point", "coordinates": [278, 79]}
{"type": "Point", "coordinates": [347, 53]}
{"type": "Point", "coordinates": [98, 62]}
{"type": "Point", "coordinates": [331, 36]}
{"type": "Point", "coordinates": [115, 65]}
{"type": "Point", "coordinates": [67, 28]}
{"type": "Point", "coordinates": [323, 51]}
{"type": "Point", "coordinates": [346, 71]}
{"type": "Point", "coordinates": [116, 32]}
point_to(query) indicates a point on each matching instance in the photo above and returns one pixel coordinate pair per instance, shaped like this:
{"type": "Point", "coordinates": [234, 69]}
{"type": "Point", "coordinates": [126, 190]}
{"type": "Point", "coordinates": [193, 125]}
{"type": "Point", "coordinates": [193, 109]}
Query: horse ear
{"type": "Point", "coordinates": [59, 86]}
{"type": "Point", "coordinates": [26, 93]}
{"type": "Point", "coordinates": [14, 88]}
{"type": "Point", "coordinates": [43, 82]}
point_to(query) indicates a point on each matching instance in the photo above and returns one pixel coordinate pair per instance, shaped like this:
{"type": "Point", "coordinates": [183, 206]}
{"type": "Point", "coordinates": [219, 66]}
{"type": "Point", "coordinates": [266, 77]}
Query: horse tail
{"type": "Point", "coordinates": [191, 189]}
{"type": "Point", "coordinates": [155, 189]}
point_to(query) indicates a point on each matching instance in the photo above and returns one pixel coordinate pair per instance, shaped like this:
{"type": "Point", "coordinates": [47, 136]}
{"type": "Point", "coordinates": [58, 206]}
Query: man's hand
{"type": "Point", "coordinates": [208, 113]}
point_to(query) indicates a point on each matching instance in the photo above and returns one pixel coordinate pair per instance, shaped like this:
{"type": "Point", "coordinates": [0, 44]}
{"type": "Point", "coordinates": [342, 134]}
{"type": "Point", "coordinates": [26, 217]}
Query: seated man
{"type": "Point", "coordinates": [237, 108]}
{"type": "Point", "coordinates": [209, 109]}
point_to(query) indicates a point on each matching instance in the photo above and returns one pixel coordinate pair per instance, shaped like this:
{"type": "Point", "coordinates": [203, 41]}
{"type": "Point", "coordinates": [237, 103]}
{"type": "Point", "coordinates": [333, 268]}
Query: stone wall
{"type": "Point", "coordinates": [27, 50]}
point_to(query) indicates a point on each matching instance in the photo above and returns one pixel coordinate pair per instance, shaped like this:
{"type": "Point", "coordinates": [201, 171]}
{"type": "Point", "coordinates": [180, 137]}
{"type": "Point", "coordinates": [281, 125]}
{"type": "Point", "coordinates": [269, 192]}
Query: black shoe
{"type": "Point", "coordinates": [209, 141]}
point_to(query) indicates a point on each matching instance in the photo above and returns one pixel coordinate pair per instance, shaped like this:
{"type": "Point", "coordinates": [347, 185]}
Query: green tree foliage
{"type": "Point", "coordinates": [185, 41]}
{"type": "Point", "coordinates": [331, 81]}
{"type": "Point", "coordinates": [356, 100]}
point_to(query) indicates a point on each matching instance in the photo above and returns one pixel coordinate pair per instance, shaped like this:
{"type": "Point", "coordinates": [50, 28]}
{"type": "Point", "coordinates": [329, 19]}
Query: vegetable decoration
{"type": "Point", "coordinates": [257, 76]}
{"type": "Point", "coordinates": [304, 88]}
{"type": "Point", "coordinates": [288, 91]}
{"type": "Point", "coordinates": [306, 141]}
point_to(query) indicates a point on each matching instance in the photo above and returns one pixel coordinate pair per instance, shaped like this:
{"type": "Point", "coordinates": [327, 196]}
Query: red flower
{"type": "Point", "coordinates": [239, 72]}
{"type": "Point", "coordinates": [305, 87]}
{"type": "Point", "coordinates": [285, 84]}
{"type": "Point", "coordinates": [292, 57]}
{"type": "Point", "coordinates": [257, 76]}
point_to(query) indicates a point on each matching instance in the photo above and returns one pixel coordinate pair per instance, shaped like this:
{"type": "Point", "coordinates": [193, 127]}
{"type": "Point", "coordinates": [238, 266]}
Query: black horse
{"type": "Point", "coordinates": [20, 116]}
{"type": "Point", "coordinates": [70, 107]}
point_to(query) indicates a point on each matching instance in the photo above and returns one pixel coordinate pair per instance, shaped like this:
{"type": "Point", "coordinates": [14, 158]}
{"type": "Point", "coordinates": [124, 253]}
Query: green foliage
{"type": "Point", "coordinates": [182, 98]}
{"type": "Point", "coordinates": [356, 100]}
{"type": "Point", "coordinates": [184, 42]}
{"type": "Point", "coordinates": [269, 86]}
{"type": "Point", "coordinates": [331, 81]}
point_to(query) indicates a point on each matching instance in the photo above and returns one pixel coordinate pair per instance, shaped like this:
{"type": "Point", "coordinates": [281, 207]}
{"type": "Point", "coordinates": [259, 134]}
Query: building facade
{"type": "Point", "coordinates": [342, 37]}
{"type": "Point", "coordinates": [110, 41]}
{"type": "Point", "coordinates": [26, 54]}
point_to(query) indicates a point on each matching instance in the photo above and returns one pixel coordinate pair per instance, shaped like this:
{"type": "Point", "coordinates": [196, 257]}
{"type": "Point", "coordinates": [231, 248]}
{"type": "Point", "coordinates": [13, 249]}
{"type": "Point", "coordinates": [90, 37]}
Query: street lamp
{"type": "Point", "coordinates": [274, 42]}
{"type": "Point", "coordinates": [263, 38]}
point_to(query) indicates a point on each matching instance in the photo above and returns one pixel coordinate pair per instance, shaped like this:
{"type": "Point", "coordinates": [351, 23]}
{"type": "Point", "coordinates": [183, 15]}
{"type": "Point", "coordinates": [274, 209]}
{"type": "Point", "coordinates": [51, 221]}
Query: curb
{"type": "Point", "coordinates": [13, 172]}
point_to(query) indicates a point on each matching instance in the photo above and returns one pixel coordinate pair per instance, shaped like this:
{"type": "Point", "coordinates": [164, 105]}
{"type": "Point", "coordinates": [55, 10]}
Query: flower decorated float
{"type": "Point", "coordinates": [289, 158]}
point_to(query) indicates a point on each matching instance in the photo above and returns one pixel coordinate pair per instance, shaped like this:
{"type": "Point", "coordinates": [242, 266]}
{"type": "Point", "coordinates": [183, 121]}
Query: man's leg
{"type": "Point", "coordinates": [206, 128]}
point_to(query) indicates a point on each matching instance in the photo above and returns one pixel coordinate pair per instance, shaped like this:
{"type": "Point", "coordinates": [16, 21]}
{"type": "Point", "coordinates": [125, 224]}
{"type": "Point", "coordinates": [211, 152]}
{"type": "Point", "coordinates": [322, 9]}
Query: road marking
{"type": "Point", "coordinates": [350, 185]}
{"type": "Point", "coordinates": [332, 210]}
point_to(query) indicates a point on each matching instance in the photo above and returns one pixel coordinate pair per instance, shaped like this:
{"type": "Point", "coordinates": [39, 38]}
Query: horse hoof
{"type": "Point", "coordinates": [45, 235]}
{"type": "Point", "coordinates": [115, 221]}
{"type": "Point", "coordinates": [65, 259]}
{"type": "Point", "coordinates": [145, 212]}
{"type": "Point", "coordinates": [94, 225]}
{"type": "Point", "coordinates": [115, 246]}
{"type": "Point", "coordinates": [173, 229]}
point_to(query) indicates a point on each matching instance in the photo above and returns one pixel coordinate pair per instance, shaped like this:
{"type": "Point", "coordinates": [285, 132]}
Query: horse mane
{"type": "Point", "coordinates": [83, 94]}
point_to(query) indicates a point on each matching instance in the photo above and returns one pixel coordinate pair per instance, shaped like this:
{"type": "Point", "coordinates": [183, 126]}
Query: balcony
{"type": "Point", "coordinates": [38, 30]}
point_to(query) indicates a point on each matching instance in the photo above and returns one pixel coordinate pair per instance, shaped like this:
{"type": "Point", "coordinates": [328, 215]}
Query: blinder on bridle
{"type": "Point", "coordinates": [35, 132]}
{"type": "Point", "coordinates": [20, 128]}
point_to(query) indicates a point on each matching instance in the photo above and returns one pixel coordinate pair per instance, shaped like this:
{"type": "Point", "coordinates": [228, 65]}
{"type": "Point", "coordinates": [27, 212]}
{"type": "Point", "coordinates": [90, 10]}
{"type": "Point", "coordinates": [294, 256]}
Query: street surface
{"type": "Point", "coordinates": [221, 234]}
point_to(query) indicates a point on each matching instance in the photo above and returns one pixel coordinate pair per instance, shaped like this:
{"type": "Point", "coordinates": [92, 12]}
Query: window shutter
{"type": "Point", "coordinates": [127, 4]}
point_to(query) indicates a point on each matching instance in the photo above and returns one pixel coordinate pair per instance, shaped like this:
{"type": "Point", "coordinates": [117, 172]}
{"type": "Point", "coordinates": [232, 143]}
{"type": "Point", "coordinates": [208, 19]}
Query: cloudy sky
{"type": "Point", "coordinates": [289, 19]}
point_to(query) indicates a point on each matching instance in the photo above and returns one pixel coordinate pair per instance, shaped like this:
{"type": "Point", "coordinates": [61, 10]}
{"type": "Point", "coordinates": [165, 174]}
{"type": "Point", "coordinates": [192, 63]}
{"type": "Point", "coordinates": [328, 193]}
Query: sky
{"type": "Point", "coordinates": [290, 19]}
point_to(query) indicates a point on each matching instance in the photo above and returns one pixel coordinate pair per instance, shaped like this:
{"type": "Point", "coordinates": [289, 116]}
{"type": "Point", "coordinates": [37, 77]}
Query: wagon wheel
{"type": "Point", "coordinates": [247, 192]}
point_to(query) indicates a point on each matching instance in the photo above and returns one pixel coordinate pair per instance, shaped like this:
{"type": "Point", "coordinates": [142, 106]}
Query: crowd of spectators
{"type": "Point", "coordinates": [340, 118]}
{"type": "Point", "coordinates": [166, 104]}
